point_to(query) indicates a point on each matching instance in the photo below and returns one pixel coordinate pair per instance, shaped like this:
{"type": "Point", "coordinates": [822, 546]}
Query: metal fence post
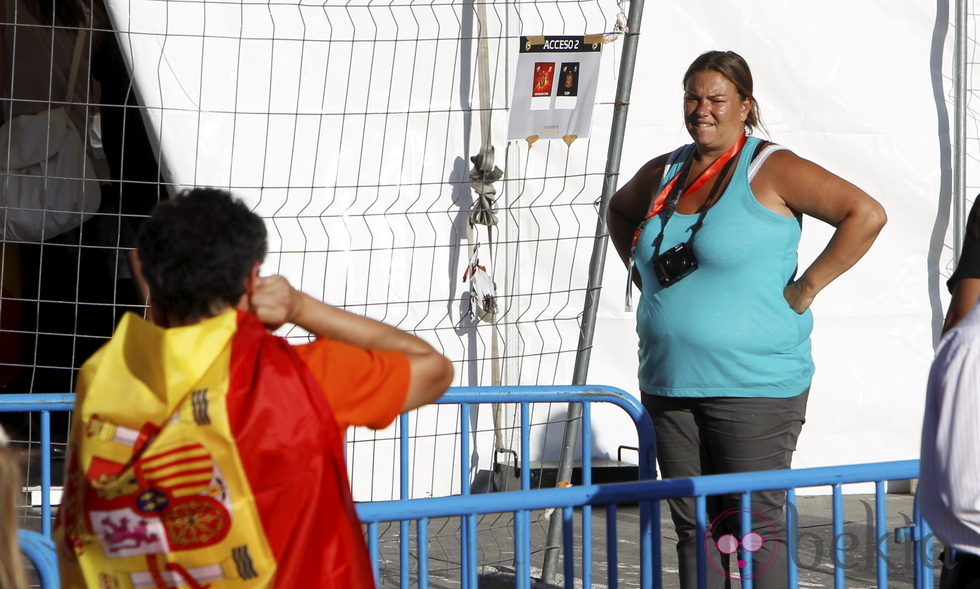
{"type": "Point", "coordinates": [959, 128]}
{"type": "Point", "coordinates": [596, 265]}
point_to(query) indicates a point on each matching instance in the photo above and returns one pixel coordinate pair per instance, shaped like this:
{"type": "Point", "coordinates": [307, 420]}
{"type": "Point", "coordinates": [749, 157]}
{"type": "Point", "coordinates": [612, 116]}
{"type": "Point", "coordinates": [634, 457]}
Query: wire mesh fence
{"type": "Point", "coordinates": [971, 132]}
{"type": "Point", "coordinates": [78, 171]}
{"type": "Point", "coordinates": [973, 101]}
{"type": "Point", "coordinates": [350, 128]}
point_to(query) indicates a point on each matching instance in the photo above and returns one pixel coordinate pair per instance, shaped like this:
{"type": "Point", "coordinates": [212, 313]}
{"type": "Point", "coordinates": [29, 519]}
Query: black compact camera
{"type": "Point", "coordinates": [675, 263]}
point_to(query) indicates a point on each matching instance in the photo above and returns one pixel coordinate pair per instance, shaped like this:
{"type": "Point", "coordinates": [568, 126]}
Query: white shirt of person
{"type": "Point", "coordinates": [949, 471]}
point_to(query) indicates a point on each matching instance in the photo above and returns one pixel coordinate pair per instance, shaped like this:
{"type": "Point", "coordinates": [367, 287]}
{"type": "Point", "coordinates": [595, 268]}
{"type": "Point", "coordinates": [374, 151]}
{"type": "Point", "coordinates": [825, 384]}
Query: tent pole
{"type": "Point", "coordinates": [581, 370]}
{"type": "Point", "coordinates": [959, 128]}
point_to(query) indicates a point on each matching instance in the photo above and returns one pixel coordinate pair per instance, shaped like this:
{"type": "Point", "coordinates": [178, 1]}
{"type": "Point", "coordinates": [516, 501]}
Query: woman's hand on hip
{"type": "Point", "coordinates": [798, 296]}
{"type": "Point", "coordinates": [806, 188]}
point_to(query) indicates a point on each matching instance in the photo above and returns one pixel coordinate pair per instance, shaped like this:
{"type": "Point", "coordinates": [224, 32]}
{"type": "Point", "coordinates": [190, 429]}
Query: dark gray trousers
{"type": "Point", "coordinates": [718, 435]}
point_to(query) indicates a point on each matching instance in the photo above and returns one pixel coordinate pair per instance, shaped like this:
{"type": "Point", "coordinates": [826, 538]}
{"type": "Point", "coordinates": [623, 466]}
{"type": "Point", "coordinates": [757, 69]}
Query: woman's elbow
{"type": "Point", "coordinates": [878, 216]}
{"type": "Point", "coordinates": [872, 216]}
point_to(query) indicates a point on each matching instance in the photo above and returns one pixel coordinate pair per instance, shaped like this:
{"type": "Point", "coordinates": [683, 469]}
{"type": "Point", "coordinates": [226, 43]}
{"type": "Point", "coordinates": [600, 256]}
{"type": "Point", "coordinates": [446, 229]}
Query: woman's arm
{"type": "Point", "coordinates": [630, 205]}
{"type": "Point", "coordinates": [804, 187]}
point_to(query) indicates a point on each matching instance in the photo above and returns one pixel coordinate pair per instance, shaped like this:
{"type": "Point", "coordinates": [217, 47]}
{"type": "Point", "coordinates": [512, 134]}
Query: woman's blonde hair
{"type": "Point", "coordinates": [11, 560]}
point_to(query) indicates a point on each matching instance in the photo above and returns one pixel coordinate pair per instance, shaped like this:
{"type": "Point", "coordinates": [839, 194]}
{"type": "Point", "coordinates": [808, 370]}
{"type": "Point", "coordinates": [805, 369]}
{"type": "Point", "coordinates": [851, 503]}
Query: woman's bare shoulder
{"type": "Point", "coordinates": [633, 198]}
{"type": "Point", "coordinates": [652, 170]}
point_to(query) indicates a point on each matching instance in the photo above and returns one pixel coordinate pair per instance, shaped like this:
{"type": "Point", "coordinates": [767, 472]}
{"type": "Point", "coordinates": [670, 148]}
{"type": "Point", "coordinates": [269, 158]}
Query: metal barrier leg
{"type": "Point", "coordinates": [881, 523]}
{"type": "Point", "coordinates": [839, 559]}
{"type": "Point", "coordinates": [612, 547]}
{"type": "Point", "coordinates": [422, 529]}
{"type": "Point", "coordinates": [569, 551]}
{"type": "Point", "coordinates": [922, 549]}
{"type": "Point", "coordinates": [46, 473]}
{"type": "Point", "coordinates": [374, 551]}
{"type": "Point", "coordinates": [650, 545]}
{"type": "Point", "coordinates": [792, 534]}
{"type": "Point", "coordinates": [467, 566]}
{"type": "Point", "coordinates": [587, 509]}
{"type": "Point", "coordinates": [522, 550]}
{"type": "Point", "coordinates": [746, 526]}
{"type": "Point", "coordinates": [701, 518]}
{"type": "Point", "coordinates": [404, 531]}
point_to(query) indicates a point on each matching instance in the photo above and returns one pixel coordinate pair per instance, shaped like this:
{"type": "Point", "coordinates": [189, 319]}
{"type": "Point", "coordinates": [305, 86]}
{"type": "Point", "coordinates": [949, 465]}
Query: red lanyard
{"type": "Point", "coordinates": [707, 174]}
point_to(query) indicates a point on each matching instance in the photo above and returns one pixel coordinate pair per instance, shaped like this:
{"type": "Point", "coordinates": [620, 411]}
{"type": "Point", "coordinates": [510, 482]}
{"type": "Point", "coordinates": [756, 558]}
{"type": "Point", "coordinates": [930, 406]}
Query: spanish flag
{"type": "Point", "coordinates": [206, 456]}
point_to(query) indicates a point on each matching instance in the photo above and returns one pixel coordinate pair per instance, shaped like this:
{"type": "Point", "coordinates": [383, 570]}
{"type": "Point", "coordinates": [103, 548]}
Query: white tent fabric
{"type": "Point", "coordinates": [854, 86]}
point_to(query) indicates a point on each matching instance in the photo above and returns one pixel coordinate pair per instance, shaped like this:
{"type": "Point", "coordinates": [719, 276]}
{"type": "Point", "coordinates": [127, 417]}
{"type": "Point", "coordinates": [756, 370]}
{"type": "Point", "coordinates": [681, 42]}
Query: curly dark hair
{"type": "Point", "coordinates": [196, 252]}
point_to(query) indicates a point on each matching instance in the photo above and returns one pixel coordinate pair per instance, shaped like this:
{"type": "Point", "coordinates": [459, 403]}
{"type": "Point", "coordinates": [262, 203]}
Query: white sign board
{"type": "Point", "coordinates": [554, 92]}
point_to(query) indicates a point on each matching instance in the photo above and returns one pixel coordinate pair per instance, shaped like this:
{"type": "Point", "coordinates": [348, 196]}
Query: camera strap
{"type": "Point", "coordinates": [667, 199]}
{"type": "Point", "coordinates": [708, 203]}
{"type": "Point", "coordinates": [667, 194]}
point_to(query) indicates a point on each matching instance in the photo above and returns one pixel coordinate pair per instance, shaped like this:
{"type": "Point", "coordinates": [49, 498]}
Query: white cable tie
{"type": "Point", "coordinates": [620, 28]}
{"type": "Point", "coordinates": [629, 286]}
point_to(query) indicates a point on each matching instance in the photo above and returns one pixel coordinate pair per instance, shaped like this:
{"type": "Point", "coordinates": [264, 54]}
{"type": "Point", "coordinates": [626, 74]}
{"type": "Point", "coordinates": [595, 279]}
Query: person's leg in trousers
{"type": "Point", "coordinates": [963, 574]}
{"type": "Point", "coordinates": [754, 434]}
{"type": "Point", "coordinates": [680, 455]}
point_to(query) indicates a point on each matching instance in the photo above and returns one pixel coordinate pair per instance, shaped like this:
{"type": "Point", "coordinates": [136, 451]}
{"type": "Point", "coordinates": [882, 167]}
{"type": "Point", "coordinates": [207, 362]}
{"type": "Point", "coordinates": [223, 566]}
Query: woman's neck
{"type": "Point", "coordinates": [706, 154]}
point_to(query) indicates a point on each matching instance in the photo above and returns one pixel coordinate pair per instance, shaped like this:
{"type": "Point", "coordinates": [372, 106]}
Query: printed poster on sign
{"type": "Point", "coordinates": [554, 93]}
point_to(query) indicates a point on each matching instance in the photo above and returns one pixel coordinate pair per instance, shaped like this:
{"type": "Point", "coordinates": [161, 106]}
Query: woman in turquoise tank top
{"type": "Point", "coordinates": [710, 234]}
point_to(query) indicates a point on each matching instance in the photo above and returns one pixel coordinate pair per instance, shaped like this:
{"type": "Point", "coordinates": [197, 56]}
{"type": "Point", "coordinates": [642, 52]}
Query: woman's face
{"type": "Point", "coordinates": [713, 111]}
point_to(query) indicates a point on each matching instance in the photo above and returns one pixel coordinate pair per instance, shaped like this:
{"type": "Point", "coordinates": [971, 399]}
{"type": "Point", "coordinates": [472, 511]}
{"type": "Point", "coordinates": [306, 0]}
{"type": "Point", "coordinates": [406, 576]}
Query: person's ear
{"type": "Point", "coordinates": [252, 279]}
{"type": "Point", "coordinates": [245, 303]}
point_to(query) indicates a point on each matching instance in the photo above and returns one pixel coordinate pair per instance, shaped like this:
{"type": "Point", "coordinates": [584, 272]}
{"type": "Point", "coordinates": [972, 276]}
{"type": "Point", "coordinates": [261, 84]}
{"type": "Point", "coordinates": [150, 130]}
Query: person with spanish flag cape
{"type": "Point", "coordinates": [207, 452]}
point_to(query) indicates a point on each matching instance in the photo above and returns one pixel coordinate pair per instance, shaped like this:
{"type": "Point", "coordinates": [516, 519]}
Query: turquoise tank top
{"type": "Point", "coordinates": [725, 330]}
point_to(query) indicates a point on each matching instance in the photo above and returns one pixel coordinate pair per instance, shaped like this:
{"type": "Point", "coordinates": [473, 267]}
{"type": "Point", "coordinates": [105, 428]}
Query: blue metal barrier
{"type": "Point", "coordinates": [41, 552]}
{"type": "Point", "coordinates": [465, 397]}
{"type": "Point", "coordinates": [524, 396]}
{"type": "Point", "coordinates": [44, 404]}
{"type": "Point", "coordinates": [646, 492]}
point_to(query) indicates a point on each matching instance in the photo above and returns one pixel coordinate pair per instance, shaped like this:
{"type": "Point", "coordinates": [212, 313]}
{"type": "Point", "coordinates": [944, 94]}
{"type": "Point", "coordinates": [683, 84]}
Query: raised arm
{"type": "Point", "coordinates": [629, 206]}
{"type": "Point", "coordinates": [274, 301]}
{"type": "Point", "coordinates": [802, 186]}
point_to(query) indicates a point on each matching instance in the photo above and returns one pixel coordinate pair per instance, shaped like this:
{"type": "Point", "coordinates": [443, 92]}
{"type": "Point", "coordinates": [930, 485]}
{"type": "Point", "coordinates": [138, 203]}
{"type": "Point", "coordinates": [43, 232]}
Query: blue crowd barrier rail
{"type": "Point", "coordinates": [650, 493]}
{"type": "Point", "coordinates": [523, 397]}
{"type": "Point", "coordinates": [578, 569]}
{"type": "Point", "coordinates": [40, 551]}
{"type": "Point", "coordinates": [44, 404]}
